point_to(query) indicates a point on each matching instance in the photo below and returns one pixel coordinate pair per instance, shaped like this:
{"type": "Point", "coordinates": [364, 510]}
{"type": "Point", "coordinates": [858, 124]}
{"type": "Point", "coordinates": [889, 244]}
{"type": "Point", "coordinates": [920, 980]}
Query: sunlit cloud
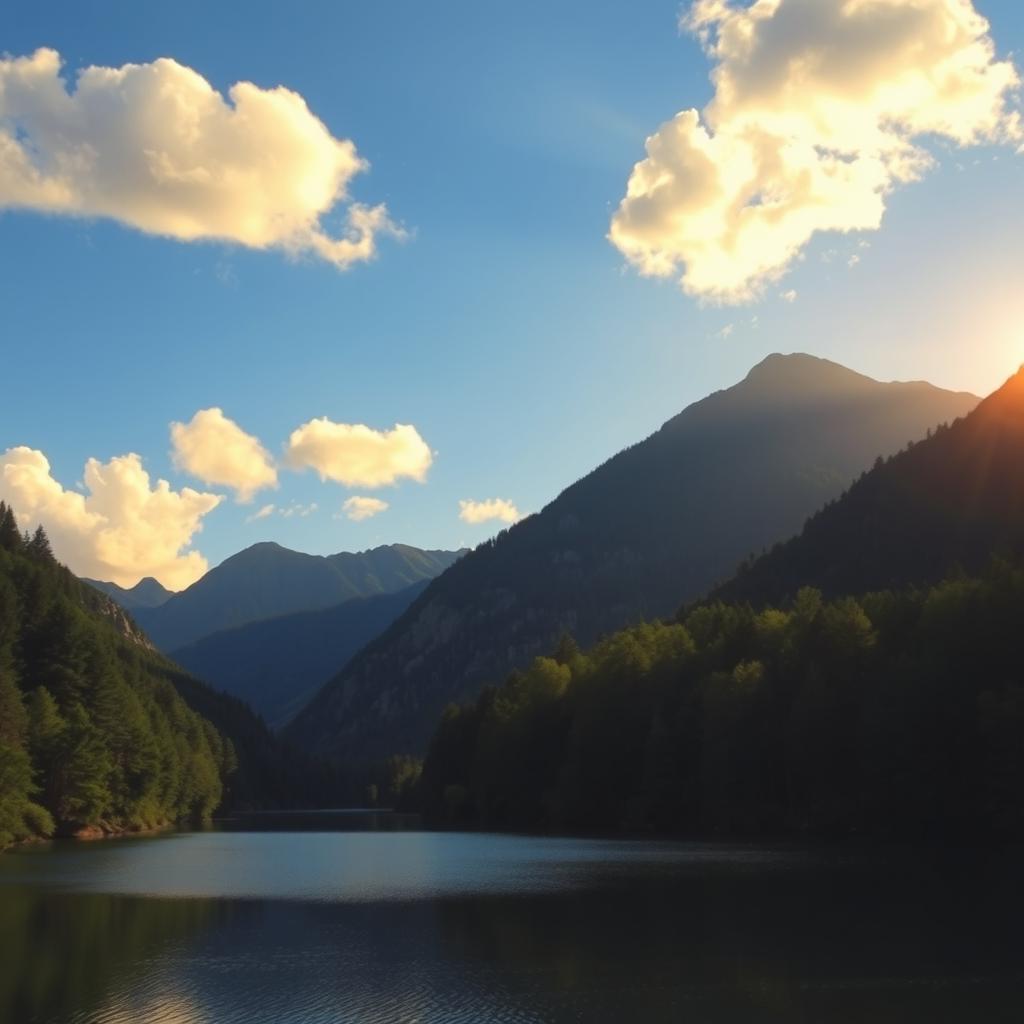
{"type": "Point", "coordinates": [819, 112]}
{"type": "Point", "coordinates": [297, 509]}
{"type": "Point", "coordinates": [357, 455]}
{"type": "Point", "coordinates": [357, 508]}
{"type": "Point", "coordinates": [476, 512]}
{"type": "Point", "coordinates": [218, 451]}
{"type": "Point", "coordinates": [264, 512]}
{"type": "Point", "coordinates": [156, 147]}
{"type": "Point", "coordinates": [123, 529]}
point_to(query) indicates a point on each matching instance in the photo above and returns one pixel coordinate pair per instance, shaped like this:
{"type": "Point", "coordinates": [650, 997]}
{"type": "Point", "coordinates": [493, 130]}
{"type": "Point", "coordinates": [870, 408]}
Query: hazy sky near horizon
{"type": "Point", "coordinates": [456, 338]}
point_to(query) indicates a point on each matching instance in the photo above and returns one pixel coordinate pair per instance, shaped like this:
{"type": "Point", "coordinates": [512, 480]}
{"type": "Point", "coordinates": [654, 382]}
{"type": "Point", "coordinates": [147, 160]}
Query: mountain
{"type": "Point", "coordinates": [276, 665]}
{"type": "Point", "coordinates": [267, 580]}
{"type": "Point", "coordinates": [948, 503]}
{"type": "Point", "coordinates": [147, 593]}
{"type": "Point", "coordinates": [660, 522]}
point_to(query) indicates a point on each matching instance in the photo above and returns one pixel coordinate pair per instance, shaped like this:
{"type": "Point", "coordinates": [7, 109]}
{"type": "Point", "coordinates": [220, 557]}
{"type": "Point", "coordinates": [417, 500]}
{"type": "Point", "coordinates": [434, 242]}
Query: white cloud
{"type": "Point", "coordinates": [156, 147]}
{"type": "Point", "coordinates": [357, 455]}
{"type": "Point", "coordinates": [298, 509]}
{"type": "Point", "coordinates": [476, 512]}
{"type": "Point", "coordinates": [818, 111]}
{"type": "Point", "coordinates": [121, 530]}
{"type": "Point", "coordinates": [264, 512]}
{"type": "Point", "coordinates": [358, 508]}
{"type": "Point", "coordinates": [216, 450]}
{"type": "Point", "coordinates": [788, 296]}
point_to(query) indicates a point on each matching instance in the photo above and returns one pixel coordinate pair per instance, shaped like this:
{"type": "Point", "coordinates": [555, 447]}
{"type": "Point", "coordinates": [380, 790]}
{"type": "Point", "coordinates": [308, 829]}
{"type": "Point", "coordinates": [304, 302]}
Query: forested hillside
{"type": "Point", "coordinates": [898, 714]}
{"type": "Point", "coordinates": [658, 524]}
{"type": "Point", "coordinates": [93, 735]}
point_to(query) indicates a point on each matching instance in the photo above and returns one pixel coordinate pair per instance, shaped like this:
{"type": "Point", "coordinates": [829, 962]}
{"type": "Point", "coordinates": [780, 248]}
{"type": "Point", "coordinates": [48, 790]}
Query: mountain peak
{"type": "Point", "coordinates": [948, 502]}
{"type": "Point", "coordinates": [800, 371]}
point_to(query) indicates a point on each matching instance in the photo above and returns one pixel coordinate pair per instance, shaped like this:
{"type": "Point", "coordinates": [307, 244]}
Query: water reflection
{"type": "Point", "coordinates": [504, 929]}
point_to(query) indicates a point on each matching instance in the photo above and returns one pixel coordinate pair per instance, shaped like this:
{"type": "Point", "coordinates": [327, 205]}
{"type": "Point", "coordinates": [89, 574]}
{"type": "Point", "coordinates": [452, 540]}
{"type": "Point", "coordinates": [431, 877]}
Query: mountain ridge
{"type": "Point", "coordinates": [945, 504]}
{"type": "Point", "coordinates": [266, 580]}
{"type": "Point", "coordinates": [147, 593]}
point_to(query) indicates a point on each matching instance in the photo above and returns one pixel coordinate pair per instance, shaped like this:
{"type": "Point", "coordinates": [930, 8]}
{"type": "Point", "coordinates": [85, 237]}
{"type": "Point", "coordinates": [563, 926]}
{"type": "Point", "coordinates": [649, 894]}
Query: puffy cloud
{"type": "Point", "coordinates": [156, 147]}
{"type": "Point", "coordinates": [217, 451]}
{"type": "Point", "coordinates": [788, 296]}
{"type": "Point", "coordinates": [476, 512]}
{"type": "Point", "coordinates": [358, 508]}
{"type": "Point", "coordinates": [122, 530]}
{"type": "Point", "coordinates": [818, 109]}
{"type": "Point", "coordinates": [358, 456]}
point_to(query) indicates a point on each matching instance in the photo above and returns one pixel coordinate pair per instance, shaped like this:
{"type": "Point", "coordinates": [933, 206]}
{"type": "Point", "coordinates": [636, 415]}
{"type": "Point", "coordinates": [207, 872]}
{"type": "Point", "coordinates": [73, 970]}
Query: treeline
{"type": "Point", "coordinates": [898, 714]}
{"type": "Point", "coordinates": [93, 734]}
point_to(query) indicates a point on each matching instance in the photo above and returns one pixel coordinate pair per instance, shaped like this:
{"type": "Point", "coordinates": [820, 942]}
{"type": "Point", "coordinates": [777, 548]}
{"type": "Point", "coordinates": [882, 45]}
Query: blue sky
{"type": "Point", "coordinates": [506, 328]}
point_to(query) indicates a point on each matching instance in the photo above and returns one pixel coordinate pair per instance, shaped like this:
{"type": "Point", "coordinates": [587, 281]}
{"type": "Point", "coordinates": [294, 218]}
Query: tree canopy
{"type": "Point", "coordinates": [92, 732]}
{"type": "Point", "coordinates": [899, 713]}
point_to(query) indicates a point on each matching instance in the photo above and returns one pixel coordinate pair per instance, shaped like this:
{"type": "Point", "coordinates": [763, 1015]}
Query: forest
{"type": "Point", "coordinates": [93, 734]}
{"type": "Point", "coordinates": [894, 715]}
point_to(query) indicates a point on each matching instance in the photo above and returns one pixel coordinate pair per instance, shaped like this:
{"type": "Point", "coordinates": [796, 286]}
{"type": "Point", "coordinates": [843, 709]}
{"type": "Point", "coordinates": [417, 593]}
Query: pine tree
{"type": "Point", "coordinates": [39, 546]}
{"type": "Point", "coordinates": [10, 537]}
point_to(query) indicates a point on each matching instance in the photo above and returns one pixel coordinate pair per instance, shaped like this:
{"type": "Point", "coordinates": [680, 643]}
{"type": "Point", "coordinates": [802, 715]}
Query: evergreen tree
{"type": "Point", "coordinates": [10, 536]}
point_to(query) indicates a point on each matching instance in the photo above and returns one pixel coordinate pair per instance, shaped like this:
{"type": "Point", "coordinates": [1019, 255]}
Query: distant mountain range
{"type": "Point", "coordinates": [277, 665]}
{"type": "Point", "coordinates": [949, 503]}
{"type": "Point", "coordinates": [267, 580]}
{"type": "Point", "coordinates": [659, 523]}
{"type": "Point", "coordinates": [147, 593]}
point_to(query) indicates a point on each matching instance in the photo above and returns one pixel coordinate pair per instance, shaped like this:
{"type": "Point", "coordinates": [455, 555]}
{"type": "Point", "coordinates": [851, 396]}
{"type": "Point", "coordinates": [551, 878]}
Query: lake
{"type": "Point", "coordinates": [358, 920]}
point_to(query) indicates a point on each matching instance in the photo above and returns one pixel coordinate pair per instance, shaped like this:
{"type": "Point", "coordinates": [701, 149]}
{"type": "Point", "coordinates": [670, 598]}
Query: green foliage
{"type": "Point", "coordinates": [898, 714]}
{"type": "Point", "coordinates": [92, 732]}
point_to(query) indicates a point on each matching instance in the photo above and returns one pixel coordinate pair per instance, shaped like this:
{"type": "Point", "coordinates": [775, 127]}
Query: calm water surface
{"type": "Point", "coordinates": [356, 926]}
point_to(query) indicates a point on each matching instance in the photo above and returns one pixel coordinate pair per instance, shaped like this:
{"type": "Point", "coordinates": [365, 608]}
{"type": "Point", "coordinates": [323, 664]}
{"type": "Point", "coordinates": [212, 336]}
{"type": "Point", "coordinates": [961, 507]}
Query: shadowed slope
{"type": "Point", "coordinates": [951, 501]}
{"type": "Point", "coordinates": [276, 665]}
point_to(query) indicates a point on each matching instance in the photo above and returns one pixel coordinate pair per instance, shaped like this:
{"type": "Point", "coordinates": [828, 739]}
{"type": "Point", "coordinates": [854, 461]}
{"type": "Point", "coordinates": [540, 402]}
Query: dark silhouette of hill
{"type": "Point", "coordinates": [660, 522]}
{"type": "Point", "coordinates": [948, 503]}
{"type": "Point", "coordinates": [276, 665]}
{"type": "Point", "coordinates": [267, 580]}
{"type": "Point", "coordinates": [147, 593]}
